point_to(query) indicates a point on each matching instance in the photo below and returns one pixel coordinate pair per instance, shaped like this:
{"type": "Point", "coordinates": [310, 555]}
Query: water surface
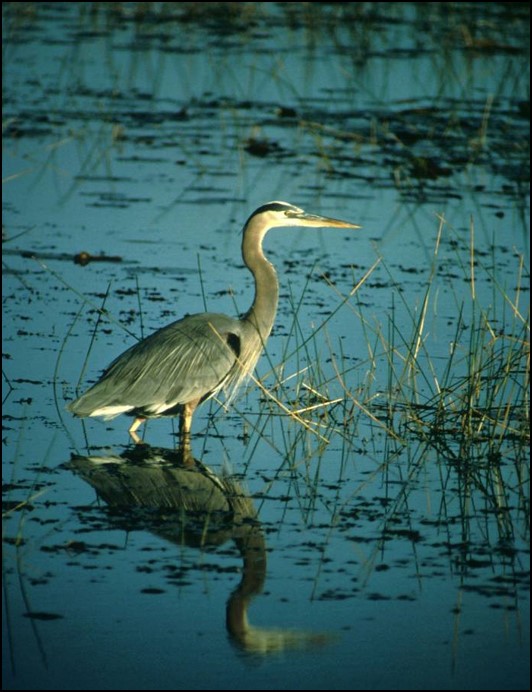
{"type": "Point", "coordinates": [371, 555]}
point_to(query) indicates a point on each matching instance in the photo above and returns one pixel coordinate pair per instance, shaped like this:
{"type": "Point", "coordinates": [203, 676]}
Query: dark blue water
{"type": "Point", "coordinates": [366, 550]}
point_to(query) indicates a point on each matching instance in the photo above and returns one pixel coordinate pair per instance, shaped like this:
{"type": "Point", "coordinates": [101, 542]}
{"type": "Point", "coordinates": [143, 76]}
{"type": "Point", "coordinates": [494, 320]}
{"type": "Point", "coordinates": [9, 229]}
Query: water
{"type": "Point", "coordinates": [148, 133]}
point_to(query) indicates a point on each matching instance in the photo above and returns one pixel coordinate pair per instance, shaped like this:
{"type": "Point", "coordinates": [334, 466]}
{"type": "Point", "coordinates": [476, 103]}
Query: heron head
{"type": "Point", "coordinates": [279, 214]}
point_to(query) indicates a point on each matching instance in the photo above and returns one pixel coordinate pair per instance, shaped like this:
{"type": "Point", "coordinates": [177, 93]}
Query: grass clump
{"type": "Point", "coordinates": [477, 393]}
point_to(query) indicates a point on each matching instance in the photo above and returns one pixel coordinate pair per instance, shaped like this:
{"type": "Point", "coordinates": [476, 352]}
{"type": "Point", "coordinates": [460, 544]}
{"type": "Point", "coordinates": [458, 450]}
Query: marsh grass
{"type": "Point", "coordinates": [479, 394]}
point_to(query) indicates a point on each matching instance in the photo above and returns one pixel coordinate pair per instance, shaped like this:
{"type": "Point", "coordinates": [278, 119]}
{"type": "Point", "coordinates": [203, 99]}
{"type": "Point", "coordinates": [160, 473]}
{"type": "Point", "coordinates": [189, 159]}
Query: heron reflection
{"type": "Point", "coordinates": [183, 501]}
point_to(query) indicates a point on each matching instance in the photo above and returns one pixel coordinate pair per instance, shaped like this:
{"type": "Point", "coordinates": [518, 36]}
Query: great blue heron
{"type": "Point", "coordinates": [181, 365]}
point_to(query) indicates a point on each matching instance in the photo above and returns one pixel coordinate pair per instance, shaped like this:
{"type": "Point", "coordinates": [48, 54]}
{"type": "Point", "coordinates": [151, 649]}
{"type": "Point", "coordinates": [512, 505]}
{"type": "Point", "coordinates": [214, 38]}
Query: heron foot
{"type": "Point", "coordinates": [133, 430]}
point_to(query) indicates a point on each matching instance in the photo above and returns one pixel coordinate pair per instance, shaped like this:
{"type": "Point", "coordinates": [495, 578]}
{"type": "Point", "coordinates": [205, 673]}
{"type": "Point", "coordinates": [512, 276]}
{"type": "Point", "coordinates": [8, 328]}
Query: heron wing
{"type": "Point", "coordinates": [188, 360]}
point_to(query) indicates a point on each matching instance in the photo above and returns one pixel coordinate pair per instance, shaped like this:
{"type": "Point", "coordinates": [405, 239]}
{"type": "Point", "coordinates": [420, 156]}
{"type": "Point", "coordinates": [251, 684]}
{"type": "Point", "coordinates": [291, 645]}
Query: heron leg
{"type": "Point", "coordinates": [185, 422]}
{"type": "Point", "coordinates": [133, 430]}
{"type": "Point", "coordinates": [185, 419]}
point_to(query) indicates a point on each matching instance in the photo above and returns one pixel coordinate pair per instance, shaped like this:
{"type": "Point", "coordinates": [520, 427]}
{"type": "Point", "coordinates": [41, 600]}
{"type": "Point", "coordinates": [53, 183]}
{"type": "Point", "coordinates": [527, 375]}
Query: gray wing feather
{"type": "Point", "coordinates": [188, 360]}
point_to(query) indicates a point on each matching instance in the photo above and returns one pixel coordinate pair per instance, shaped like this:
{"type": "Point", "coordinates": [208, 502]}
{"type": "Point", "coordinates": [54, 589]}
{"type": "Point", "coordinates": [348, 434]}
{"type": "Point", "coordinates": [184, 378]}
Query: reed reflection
{"type": "Point", "coordinates": [175, 496]}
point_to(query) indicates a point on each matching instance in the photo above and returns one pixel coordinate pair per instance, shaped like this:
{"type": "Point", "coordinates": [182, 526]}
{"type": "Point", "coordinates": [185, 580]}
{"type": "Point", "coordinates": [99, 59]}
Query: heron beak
{"type": "Point", "coordinates": [323, 221]}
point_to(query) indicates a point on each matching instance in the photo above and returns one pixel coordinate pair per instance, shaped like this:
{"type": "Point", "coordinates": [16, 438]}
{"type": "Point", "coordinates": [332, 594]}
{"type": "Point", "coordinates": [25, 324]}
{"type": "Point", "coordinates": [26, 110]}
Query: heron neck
{"type": "Point", "coordinates": [262, 312]}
